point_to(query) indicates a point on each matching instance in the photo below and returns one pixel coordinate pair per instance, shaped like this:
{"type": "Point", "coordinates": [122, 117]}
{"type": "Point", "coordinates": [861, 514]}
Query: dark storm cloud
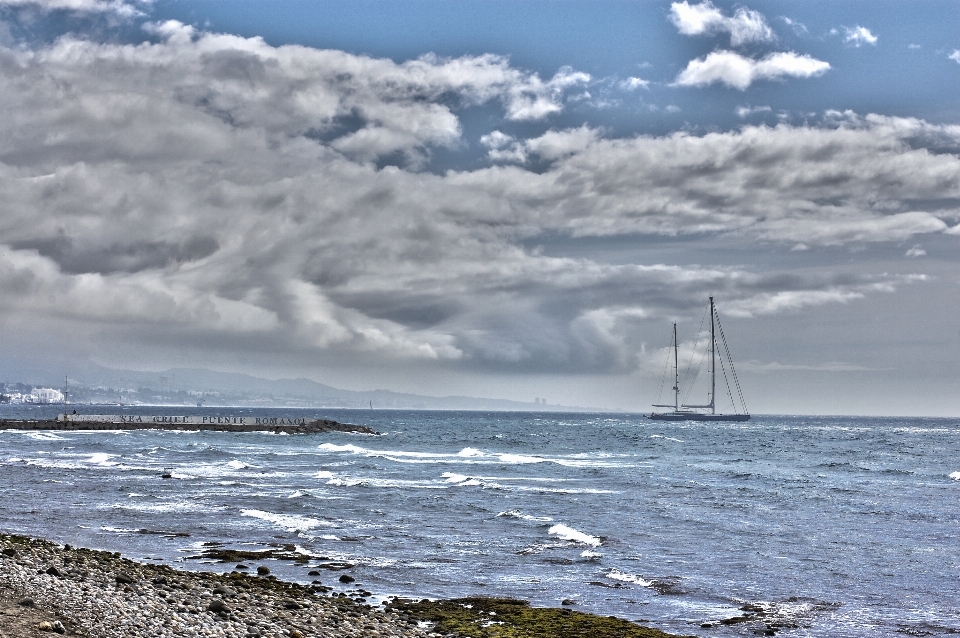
{"type": "Point", "coordinates": [129, 258]}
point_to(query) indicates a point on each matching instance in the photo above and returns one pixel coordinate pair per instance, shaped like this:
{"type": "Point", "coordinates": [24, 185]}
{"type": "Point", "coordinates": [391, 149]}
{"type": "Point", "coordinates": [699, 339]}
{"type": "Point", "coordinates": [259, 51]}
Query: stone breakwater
{"type": "Point", "coordinates": [309, 427]}
{"type": "Point", "coordinates": [101, 595]}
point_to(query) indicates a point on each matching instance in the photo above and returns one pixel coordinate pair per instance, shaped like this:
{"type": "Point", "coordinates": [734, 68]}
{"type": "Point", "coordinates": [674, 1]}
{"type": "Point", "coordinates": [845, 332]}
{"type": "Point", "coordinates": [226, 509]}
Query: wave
{"type": "Point", "coordinates": [573, 535]}
{"type": "Point", "coordinates": [176, 506]}
{"type": "Point", "coordinates": [289, 522]}
{"type": "Point", "coordinates": [347, 481]}
{"type": "Point", "coordinates": [666, 438]}
{"type": "Point", "coordinates": [471, 456]}
{"type": "Point", "coordinates": [526, 517]}
{"type": "Point", "coordinates": [636, 579]}
{"type": "Point", "coordinates": [955, 476]}
{"type": "Point", "coordinates": [44, 436]}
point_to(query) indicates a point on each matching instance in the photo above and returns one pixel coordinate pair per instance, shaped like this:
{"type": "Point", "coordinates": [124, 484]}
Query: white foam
{"type": "Point", "coordinates": [323, 474]}
{"type": "Point", "coordinates": [117, 530]}
{"type": "Point", "coordinates": [44, 436]}
{"type": "Point", "coordinates": [573, 535]}
{"type": "Point", "coordinates": [331, 447]}
{"type": "Point", "coordinates": [289, 522]}
{"type": "Point", "coordinates": [237, 465]}
{"type": "Point", "coordinates": [518, 459]}
{"type": "Point", "coordinates": [955, 476]}
{"type": "Point", "coordinates": [348, 481]}
{"type": "Point", "coordinates": [526, 517]}
{"type": "Point", "coordinates": [469, 451]}
{"type": "Point", "coordinates": [666, 438]}
{"type": "Point", "coordinates": [636, 579]}
{"type": "Point", "coordinates": [591, 555]}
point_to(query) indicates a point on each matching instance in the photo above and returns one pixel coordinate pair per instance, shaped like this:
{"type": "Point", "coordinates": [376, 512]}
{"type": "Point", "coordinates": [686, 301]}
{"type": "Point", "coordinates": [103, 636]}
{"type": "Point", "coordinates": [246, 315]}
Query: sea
{"type": "Point", "coordinates": [784, 525]}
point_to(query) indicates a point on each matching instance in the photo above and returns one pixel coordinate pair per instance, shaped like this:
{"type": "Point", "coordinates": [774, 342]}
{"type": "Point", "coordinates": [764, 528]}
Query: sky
{"type": "Point", "coordinates": [484, 198]}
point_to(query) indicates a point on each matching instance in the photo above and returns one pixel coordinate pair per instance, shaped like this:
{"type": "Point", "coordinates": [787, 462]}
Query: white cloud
{"type": "Point", "coordinates": [503, 147]}
{"type": "Point", "coordinates": [739, 72]}
{"type": "Point", "coordinates": [858, 36]}
{"type": "Point", "coordinates": [121, 8]}
{"type": "Point", "coordinates": [744, 26]}
{"type": "Point", "coordinates": [798, 27]}
{"type": "Point", "coordinates": [916, 251]}
{"type": "Point", "coordinates": [632, 84]}
{"type": "Point", "coordinates": [214, 193]}
{"type": "Point", "coordinates": [832, 366]}
{"type": "Point", "coordinates": [746, 111]}
{"type": "Point", "coordinates": [955, 56]}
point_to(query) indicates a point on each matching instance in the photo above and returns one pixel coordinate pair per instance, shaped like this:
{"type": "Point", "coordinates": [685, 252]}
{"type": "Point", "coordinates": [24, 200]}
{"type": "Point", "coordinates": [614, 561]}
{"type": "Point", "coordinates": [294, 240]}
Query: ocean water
{"type": "Point", "coordinates": [832, 526]}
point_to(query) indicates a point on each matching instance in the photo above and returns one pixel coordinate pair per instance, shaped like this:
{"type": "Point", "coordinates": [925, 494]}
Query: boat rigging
{"type": "Point", "coordinates": [706, 411]}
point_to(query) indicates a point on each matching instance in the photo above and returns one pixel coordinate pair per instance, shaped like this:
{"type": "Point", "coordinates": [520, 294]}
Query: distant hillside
{"type": "Point", "coordinates": [91, 383]}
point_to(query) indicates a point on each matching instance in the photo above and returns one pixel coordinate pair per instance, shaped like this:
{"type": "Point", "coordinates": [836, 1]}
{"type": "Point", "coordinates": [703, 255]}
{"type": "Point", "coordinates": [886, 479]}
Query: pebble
{"type": "Point", "coordinates": [101, 594]}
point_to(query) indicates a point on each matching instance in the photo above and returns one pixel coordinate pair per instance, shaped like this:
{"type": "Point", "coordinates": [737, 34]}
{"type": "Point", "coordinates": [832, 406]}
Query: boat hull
{"type": "Point", "coordinates": [699, 417]}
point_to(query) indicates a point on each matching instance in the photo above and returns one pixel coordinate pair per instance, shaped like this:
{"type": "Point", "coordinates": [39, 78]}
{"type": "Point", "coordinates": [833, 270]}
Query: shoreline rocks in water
{"type": "Point", "coordinates": [82, 592]}
{"type": "Point", "coordinates": [309, 427]}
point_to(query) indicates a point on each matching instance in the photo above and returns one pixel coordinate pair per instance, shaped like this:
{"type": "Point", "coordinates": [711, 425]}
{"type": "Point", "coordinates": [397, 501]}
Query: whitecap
{"type": "Point", "coordinates": [955, 476]}
{"type": "Point", "coordinates": [237, 465]}
{"type": "Point", "coordinates": [289, 522]}
{"type": "Point", "coordinates": [591, 555]}
{"type": "Point", "coordinates": [520, 459]}
{"type": "Point", "coordinates": [323, 474]}
{"type": "Point", "coordinates": [469, 451]}
{"type": "Point", "coordinates": [44, 436]}
{"type": "Point", "coordinates": [636, 579]}
{"type": "Point", "coordinates": [526, 517]}
{"type": "Point", "coordinates": [175, 506]}
{"type": "Point", "coordinates": [331, 447]}
{"type": "Point", "coordinates": [573, 535]}
{"type": "Point", "coordinates": [117, 530]}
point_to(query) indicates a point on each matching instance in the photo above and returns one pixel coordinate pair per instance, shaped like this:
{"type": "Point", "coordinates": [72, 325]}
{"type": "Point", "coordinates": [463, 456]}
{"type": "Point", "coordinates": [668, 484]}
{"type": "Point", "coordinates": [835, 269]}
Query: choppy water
{"type": "Point", "coordinates": [836, 526]}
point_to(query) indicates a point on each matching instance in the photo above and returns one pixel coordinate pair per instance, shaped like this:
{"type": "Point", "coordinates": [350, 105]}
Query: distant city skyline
{"type": "Point", "coordinates": [512, 200]}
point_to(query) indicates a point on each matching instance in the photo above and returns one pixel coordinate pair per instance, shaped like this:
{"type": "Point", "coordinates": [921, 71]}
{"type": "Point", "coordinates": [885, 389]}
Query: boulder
{"type": "Point", "coordinates": [124, 578]}
{"type": "Point", "coordinates": [217, 606]}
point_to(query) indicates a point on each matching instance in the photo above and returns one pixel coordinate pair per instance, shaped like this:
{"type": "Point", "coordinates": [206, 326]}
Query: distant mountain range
{"type": "Point", "coordinates": [91, 383]}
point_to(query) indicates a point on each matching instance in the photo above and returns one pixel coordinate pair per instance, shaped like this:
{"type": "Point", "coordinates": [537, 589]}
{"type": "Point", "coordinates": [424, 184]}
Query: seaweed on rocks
{"type": "Point", "coordinates": [482, 617]}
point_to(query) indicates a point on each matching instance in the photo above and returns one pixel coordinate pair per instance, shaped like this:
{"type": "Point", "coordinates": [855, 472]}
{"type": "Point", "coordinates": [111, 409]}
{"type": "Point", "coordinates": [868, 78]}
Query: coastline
{"type": "Point", "coordinates": [308, 427]}
{"type": "Point", "coordinates": [83, 592]}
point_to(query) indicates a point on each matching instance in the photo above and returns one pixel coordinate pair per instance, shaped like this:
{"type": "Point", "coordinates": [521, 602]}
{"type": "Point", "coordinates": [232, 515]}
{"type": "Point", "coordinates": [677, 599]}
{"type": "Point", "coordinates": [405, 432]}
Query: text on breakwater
{"type": "Point", "coordinates": [182, 420]}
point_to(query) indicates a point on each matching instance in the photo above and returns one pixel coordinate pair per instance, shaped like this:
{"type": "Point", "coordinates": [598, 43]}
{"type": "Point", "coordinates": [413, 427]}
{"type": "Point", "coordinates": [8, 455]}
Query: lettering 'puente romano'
{"type": "Point", "coordinates": [278, 425]}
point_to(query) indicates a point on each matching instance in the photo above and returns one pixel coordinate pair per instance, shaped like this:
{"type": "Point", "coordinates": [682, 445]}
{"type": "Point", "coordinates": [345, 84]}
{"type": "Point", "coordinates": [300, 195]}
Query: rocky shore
{"type": "Point", "coordinates": [50, 589]}
{"type": "Point", "coordinates": [309, 427]}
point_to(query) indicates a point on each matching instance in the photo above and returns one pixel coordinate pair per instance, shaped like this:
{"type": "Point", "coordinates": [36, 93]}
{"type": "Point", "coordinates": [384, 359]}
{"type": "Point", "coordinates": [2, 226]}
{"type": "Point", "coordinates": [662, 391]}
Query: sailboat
{"type": "Point", "coordinates": [707, 411]}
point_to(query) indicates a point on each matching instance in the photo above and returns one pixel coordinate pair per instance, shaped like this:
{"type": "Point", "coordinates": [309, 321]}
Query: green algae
{"type": "Point", "coordinates": [483, 617]}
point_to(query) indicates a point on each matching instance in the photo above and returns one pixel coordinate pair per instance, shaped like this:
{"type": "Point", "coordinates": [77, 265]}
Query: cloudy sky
{"type": "Point", "coordinates": [501, 199]}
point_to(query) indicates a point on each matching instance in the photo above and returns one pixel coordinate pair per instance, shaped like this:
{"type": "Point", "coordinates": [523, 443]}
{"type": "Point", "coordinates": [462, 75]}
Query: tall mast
{"type": "Point", "coordinates": [713, 363]}
{"type": "Point", "coordinates": [676, 372]}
